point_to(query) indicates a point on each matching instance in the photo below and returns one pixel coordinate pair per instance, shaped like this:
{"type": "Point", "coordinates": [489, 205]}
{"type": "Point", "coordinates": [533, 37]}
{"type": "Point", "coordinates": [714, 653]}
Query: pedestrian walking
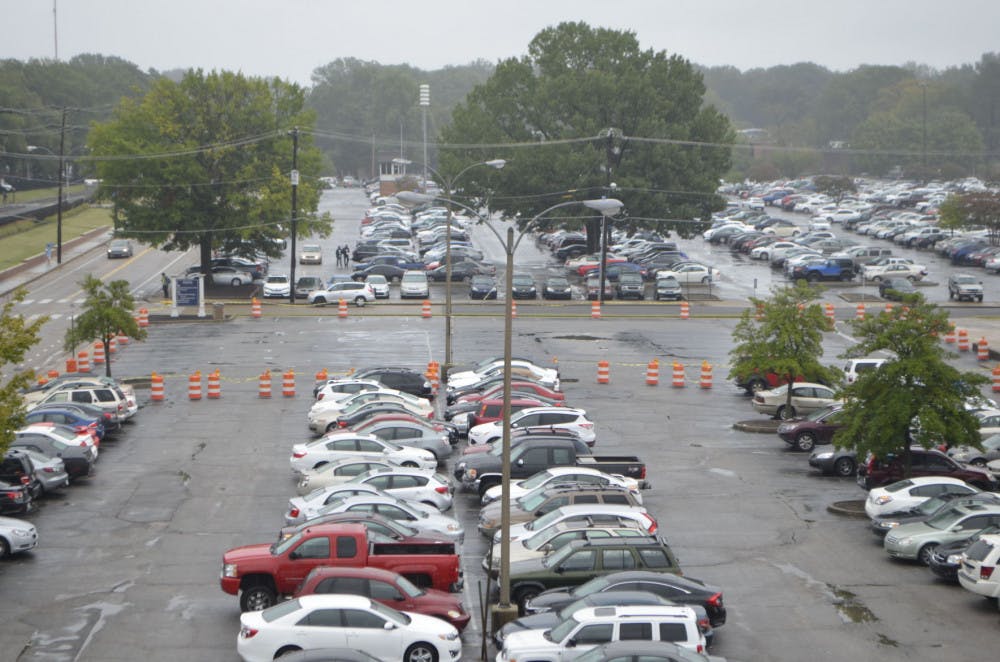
{"type": "Point", "coordinates": [165, 281]}
{"type": "Point", "coordinates": [347, 255]}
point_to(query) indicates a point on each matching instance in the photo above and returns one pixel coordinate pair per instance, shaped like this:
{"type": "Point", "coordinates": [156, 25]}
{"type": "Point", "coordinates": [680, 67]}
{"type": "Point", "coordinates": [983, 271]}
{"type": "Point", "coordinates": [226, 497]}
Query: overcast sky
{"type": "Point", "coordinates": [290, 38]}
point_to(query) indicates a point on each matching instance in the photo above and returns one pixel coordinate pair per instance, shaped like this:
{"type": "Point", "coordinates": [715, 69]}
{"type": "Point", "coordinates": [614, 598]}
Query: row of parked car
{"type": "Point", "coordinates": [68, 418]}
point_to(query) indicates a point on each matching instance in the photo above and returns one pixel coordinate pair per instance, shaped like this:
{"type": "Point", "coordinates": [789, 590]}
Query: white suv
{"type": "Point", "coordinates": [977, 571]}
{"type": "Point", "coordinates": [359, 293]}
{"type": "Point", "coordinates": [590, 627]}
{"type": "Point", "coordinates": [558, 418]}
{"type": "Point", "coordinates": [414, 285]}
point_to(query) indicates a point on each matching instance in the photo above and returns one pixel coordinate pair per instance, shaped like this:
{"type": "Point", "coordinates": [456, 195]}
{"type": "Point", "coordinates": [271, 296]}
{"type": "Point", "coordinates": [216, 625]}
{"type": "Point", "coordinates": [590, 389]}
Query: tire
{"type": "Point", "coordinates": [360, 302]}
{"type": "Point", "coordinates": [978, 462]}
{"type": "Point", "coordinates": [844, 467]}
{"type": "Point", "coordinates": [951, 295]}
{"type": "Point", "coordinates": [319, 301]}
{"type": "Point", "coordinates": [806, 441]}
{"type": "Point", "coordinates": [4, 548]}
{"type": "Point", "coordinates": [786, 412]}
{"type": "Point", "coordinates": [705, 280]}
{"type": "Point", "coordinates": [912, 279]}
{"type": "Point", "coordinates": [420, 652]}
{"type": "Point", "coordinates": [236, 282]}
{"type": "Point", "coordinates": [876, 279]}
{"type": "Point", "coordinates": [979, 299]}
{"type": "Point", "coordinates": [924, 555]}
{"type": "Point", "coordinates": [332, 427]}
{"type": "Point", "coordinates": [812, 277]}
{"type": "Point", "coordinates": [521, 596]}
{"type": "Point", "coordinates": [257, 597]}
{"type": "Point", "coordinates": [756, 385]}
{"type": "Point", "coordinates": [287, 650]}
{"type": "Point", "coordinates": [846, 276]}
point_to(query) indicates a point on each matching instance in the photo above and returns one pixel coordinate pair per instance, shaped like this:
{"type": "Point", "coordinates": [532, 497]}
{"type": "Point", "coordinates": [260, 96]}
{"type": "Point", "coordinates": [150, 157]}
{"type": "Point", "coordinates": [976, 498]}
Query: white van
{"type": "Point", "coordinates": [855, 367]}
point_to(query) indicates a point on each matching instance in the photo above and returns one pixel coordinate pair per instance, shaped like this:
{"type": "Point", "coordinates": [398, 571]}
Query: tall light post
{"type": "Point", "coordinates": [59, 186]}
{"type": "Point", "coordinates": [425, 102]}
{"type": "Point", "coordinates": [295, 212]}
{"type": "Point", "coordinates": [923, 150]}
{"type": "Point", "coordinates": [418, 198]}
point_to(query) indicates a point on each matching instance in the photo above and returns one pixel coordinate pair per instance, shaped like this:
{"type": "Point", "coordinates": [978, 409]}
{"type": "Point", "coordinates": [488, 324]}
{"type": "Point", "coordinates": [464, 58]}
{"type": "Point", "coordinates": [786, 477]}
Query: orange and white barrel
{"type": "Point", "coordinates": [264, 385]}
{"type": "Point", "coordinates": [603, 372]}
{"type": "Point", "coordinates": [288, 384]}
{"type": "Point", "coordinates": [112, 345]}
{"type": "Point", "coordinates": [143, 318]}
{"type": "Point", "coordinates": [706, 375]}
{"type": "Point", "coordinates": [122, 338]}
{"type": "Point", "coordinates": [963, 340]}
{"type": "Point", "coordinates": [677, 380]}
{"type": "Point", "coordinates": [255, 308]}
{"type": "Point", "coordinates": [194, 386]}
{"type": "Point", "coordinates": [71, 365]}
{"type": "Point", "coordinates": [888, 307]}
{"type": "Point", "coordinates": [425, 310]}
{"type": "Point", "coordinates": [98, 352]}
{"type": "Point", "coordinates": [214, 385]}
{"type": "Point", "coordinates": [759, 315]}
{"type": "Point", "coordinates": [52, 374]}
{"type": "Point", "coordinates": [653, 373]}
{"type": "Point", "coordinates": [82, 362]}
{"type": "Point", "coordinates": [513, 308]}
{"type": "Point", "coordinates": [595, 310]}
{"type": "Point", "coordinates": [859, 313]}
{"type": "Point", "coordinates": [156, 388]}
{"type": "Point", "coordinates": [685, 310]}
{"type": "Point", "coordinates": [341, 309]}
{"type": "Point", "coordinates": [830, 314]}
{"type": "Point", "coordinates": [322, 375]}
{"type": "Point", "coordinates": [996, 379]}
{"type": "Point", "coordinates": [950, 336]}
{"type": "Point", "coordinates": [983, 350]}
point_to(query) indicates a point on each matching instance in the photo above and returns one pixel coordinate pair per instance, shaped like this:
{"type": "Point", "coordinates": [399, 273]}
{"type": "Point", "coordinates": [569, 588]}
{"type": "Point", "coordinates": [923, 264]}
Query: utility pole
{"type": "Point", "coordinates": [62, 176]}
{"type": "Point", "coordinates": [425, 101]}
{"type": "Point", "coordinates": [923, 152]}
{"type": "Point", "coordinates": [609, 163]}
{"type": "Point", "coordinates": [55, 28]}
{"type": "Point", "coordinates": [295, 204]}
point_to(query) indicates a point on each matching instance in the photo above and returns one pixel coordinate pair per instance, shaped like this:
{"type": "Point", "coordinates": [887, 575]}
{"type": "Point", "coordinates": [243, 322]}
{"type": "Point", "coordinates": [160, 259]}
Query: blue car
{"type": "Point", "coordinates": [75, 420]}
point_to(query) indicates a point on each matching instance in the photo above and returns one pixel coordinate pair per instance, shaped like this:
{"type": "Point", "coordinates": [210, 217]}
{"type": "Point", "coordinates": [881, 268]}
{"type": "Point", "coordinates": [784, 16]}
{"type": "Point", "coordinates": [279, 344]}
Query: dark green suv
{"type": "Point", "coordinates": [582, 560]}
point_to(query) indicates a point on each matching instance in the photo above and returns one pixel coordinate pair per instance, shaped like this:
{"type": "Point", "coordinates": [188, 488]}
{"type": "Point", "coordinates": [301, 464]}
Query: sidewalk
{"type": "Point", "coordinates": [37, 266]}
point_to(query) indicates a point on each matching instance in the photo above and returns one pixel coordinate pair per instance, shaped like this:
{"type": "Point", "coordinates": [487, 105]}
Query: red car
{"type": "Point", "coordinates": [816, 428]}
{"type": "Point", "coordinates": [389, 588]}
{"type": "Point", "coordinates": [877, 472]}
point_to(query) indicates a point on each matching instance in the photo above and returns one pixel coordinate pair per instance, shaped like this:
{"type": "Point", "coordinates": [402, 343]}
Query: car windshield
{"type": "Point", "coordinates": [279, 610]}
{"type": "Point", "coordinates": [522, 280]}
{"type": "Point", "coordinates": [561, 631]}
{"type": "Point", "coordinates": [279, 548]}
{"type": "Point", "coordinates": [281, 280]}
{"type": "Point", "coordinates": [538, 479]}
{"type": "Point", "coordinates": [414, 278]}
{"type": "Point", "coordinates": [310, 248]}
{"type": "Point", "coordinates": [899, 485]}
{"type": "Point", "coordinates": [544, 521]}
{"type": "Point", "coordinates": [531, 501]}
{"type": "Point", "coordinates": [944, 520]}
{"type": "Point", "coordinates": [558, 282]}
{"type": "Point", "coordinates": [390, 614]}
{"type": "Point", "coordinates": [965, 279]}
{"type": "Point", "coordinates": [408, 587]}
{"type": "Point", "coordinates": [376, 279]}
{"type": "Point", "coordinates": [819, 415]}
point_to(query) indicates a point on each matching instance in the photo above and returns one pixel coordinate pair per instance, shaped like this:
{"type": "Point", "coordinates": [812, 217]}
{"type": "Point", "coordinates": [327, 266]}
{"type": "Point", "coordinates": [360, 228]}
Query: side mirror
{"type": "Point", "coordinates": [520, 462]}
{"type": "Point", "coordinates": [547, 547]}
{"type": "Point", "coordinates": [571, 643]}
{"type": "Point", "coordinates": [559, 569]}
{"type": "Point", "coordinates": [389, 626]}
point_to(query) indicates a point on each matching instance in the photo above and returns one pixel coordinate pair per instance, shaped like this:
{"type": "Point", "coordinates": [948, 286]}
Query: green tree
{"type": "Point", "coordinates": [973, 210]}
{"type": "Point", "coordinates": [226, 183]}
{"type": "Point", "coordinates": [836, 187]}
{"type": "Point", "coordinates": [107, 312]}
{"type": "Point", "coordinates": [916, 386]}
{"type": "Point", "coordinates": [787, 340]}
{"type": "Point", "coordinates": [17, 336]}
{"type": "Point", "coordinates": [580, 93]}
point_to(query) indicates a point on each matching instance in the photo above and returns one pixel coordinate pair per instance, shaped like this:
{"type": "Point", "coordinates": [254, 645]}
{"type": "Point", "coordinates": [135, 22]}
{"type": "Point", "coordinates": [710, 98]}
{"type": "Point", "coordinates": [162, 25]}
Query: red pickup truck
{"type": "Point", "coordinates": [262, 573]}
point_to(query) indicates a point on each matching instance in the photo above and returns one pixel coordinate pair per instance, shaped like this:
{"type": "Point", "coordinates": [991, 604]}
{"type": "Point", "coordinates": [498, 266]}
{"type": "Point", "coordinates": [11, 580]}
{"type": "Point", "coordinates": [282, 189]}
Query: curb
{"type": "Point", "coordinates": [765, 426]}
{"type": "Point", "coordinates": [854, 508]}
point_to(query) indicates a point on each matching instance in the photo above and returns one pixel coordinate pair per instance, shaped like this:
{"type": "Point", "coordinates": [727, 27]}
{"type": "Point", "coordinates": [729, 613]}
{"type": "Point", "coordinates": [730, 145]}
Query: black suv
{"type": "Point", "coordinates": [16, 468]}
{"type": "Point", "coordinates": [401, 379]}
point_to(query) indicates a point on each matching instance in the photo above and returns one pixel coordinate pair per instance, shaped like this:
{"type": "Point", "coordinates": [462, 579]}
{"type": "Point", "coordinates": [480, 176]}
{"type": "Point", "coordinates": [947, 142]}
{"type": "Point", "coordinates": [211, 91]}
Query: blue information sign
{"type": "Point", "coordinates": [187, 291]}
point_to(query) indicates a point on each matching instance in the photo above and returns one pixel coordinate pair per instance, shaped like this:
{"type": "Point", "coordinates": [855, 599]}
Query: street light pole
{"type": "Point", "coordinates": [62, 175]}
{"type": "Point", "coordinates": [294, 224]}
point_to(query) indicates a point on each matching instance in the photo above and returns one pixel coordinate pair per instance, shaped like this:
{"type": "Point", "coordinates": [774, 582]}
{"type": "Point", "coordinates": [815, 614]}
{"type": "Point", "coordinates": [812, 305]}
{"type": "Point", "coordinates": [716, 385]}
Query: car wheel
{"type": "Point", "coordinates": [319, 301]}
{"type": "Point", "coordinates": [236, 282]}
{"type": "Point", "coordinates": [979, 299]}
{"type": "Point", "coordinates": [4, 548]}
{"type": "Point", "coordinates": [925, 553]}
{"type": "Point", "coordinates": [409, 465]}
{"type": "Point", "coordinates": [705, 280]}
{"type": "Point", "coordinates": [756, 385]}
{"type": "Point", "coordinates": [912, 279]}
{"type": "Point", "coordinates": [812, 277]}
{"type": "Point", "coordinates": [978, 462]}
{"type": "Point", "coordinates": [257, 597]}
{"type": "Point", "coordinates": [420, 652]}
{"type": "Point", "coordinates": [806, 441]}
{"type": "Point", "coordinates": [522, 596]}
{"type": "Point", "coordinates": [876, 279]}
{"type": "Point", "coordinates": [359, 302]}
{"type": "Point", "coordinates": [844, 466]}
{"type": "Point", "coordinates": [287, 650]}
{"type": "Point", "coordinates": [786, 412]}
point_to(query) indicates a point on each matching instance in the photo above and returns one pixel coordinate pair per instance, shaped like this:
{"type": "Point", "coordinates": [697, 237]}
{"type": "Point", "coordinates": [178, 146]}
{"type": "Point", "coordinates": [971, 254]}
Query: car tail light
{"type": "Point", "coordinates": [642, 473]}
{"type": "Point", "coordinates": [342, 424]}
{"type": "Point", "coordinates": [715, 600]}
{"type": "Point", "coordinates": [700, 648]}
{"type": "Point", "coordinates": [704, 625]}
{"type": "Point", "coordinates": [652, 522]}
{"type": "Point", "coordinates": [13, 496]}
{"type": "Point", "coordinates": [294, 512]}
{"type": "Point", "coordinates": [25, 480]}
{"type": "Point", "coordinates": [586, 426]}
{"type": "Point", "coordinates": [320, 396]}
{"type": "Point", "coordinates": [80, 428]}
{"type": "Point", "coordinates": [441, 489]}
{"type": "Point", "coordinates": [107, 416]}
{"type": "Point", "coordinates": [986, 571]}
{"type": "Point", "coordinates": [48, 470]}
{"type": "Point", "coordinates": [298, 455]}
{"type": "Point", "coordinates": [247, 633]}
{"type": "Point", "coordinates": [83, 444]}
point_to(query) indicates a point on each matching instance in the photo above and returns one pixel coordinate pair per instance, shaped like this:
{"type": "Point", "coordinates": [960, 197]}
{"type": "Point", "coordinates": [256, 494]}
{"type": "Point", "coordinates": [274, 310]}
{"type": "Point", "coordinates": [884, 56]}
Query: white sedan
{"type": "Point", "coordinates": [340, 472]}
{"type": "Point", "coordinates": [911, 492]}
{"type": "Point", "coordinates": [345, 621]}
{"type": "Point", "coordinates": [546, 376]}
{"type": "Point", "coordinates": [418, 515]}
{"type": "Point", "coordinates": [324, 414]}
{"type": "Point", "coordinates": [341, 389]}
{"type": "Point", "coordinates": [561, 476]}
{"type": "Point", "coordinates": [16, 536]}
{"type": "Point", "coordinates": [692, 272]}
{"type": "Point", "coordinates": [597, 514]}
{"type": "Point", "coordinates": [343, 445]}
{"type": "Point", "coordinates": [764, 252]}
{"type": "Point", "coordinates": [876, 273]}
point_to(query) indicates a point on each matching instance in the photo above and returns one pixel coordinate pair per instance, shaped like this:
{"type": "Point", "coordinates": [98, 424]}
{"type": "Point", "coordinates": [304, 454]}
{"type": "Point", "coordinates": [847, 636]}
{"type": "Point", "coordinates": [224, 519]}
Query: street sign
{"type": "Point", "coordinates": [187, 291]}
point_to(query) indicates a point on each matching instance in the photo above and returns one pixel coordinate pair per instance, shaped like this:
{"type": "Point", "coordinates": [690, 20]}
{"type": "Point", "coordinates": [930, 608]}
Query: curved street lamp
{"type": "Point", "coordinates": [449, 190]}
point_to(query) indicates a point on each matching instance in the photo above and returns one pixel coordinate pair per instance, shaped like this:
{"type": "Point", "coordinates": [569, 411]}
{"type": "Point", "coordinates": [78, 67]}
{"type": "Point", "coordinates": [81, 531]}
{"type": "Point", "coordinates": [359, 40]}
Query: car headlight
{"type": "Point", "coordinates": [890, 525]}
{"type": "Point", "coordinates": [955, 559]}
{"type": "Point", "coordinates": [488, 522]}
{"type": "Point", "coordinates": [230, 570]}
{"type": "Point", "coordinates": [454, 527]}
{"type": "Point", "coordinates": [22, 532]}
{"type": "Point", "coordinates": [905, 541]}
{"type": "Point", "coordinates": [454, 613]}
{"type": "Point", "coordinates": [471, 473]}
{"type": "Point", "coordinates": [884, 499]}
{"type": "Point", "coordinates": [824, 456]}
{"type": "Point", "coordinates": [451, 636]}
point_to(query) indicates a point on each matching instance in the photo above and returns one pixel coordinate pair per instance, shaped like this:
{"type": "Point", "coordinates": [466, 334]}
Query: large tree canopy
{"type": "Point", "coordinates": [206, 162]}
{"type": "Point", "coordinates": [17, 336]}
{"type": "Point", "coordinates": [584, 95]}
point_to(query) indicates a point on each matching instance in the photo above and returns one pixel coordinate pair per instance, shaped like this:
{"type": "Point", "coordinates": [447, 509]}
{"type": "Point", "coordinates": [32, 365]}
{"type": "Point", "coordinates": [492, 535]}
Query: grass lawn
{"type": "Point", "coordinates": [43, 193]}
{"type": "Point", "coordinates": [16, 248]}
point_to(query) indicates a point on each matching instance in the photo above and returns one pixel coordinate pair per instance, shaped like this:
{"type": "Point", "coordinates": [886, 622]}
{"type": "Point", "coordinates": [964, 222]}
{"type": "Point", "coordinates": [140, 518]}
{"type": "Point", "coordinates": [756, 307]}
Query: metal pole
{"type": "Point", "coordinates": [923, 153]}
{"type": "Point", "coordinates": [604, 257]}
{"type": "Point", "coordinates": [59, 204]}
{"type": "Point", "coordinates": [295, 204]}
{"type": "Point", "coordinates": [508, 332]}
{"type": "Point", "coordinates": [447, 297]}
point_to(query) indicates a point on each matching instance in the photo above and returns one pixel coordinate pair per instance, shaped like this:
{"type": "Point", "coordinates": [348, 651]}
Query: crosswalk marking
{"type": "Point", "coordinates": [45, 301]}
{"type": "Point", "coordinates": [55, 316]}
{"type": "Point", "coordinates": [27, 302]}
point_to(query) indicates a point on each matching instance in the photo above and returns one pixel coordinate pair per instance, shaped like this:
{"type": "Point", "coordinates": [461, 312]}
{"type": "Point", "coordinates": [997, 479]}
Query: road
{"type": "Point", "coordinates": [128, 562]}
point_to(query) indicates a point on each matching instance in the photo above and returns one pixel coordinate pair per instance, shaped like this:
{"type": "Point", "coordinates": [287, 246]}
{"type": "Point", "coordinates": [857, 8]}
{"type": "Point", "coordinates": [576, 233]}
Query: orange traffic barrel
{"type": "Point", "coordinates": [264, 385]}
{"type": "Point", "coordinates": [52, 374]}
{"type": "Point", "coordinates": [143, 318]}
{"type": "Point", "coordinates": [255, 309]}
{"type": "Point", "coordinates": [950, 336]}
{"type": "Point", "coordinates": [82, 362]}
{"type": "Point", "coordinates": [214, 385]}
{"type": "Point", "coordinates": [603, 372]}
{"type": "Point", "coordinates": [70, 365]}
{"type": "Point", "coordinates": [653, 373]}
{"type": "Point", "coordinates": [963, 340]}
{"type": "Point", "coordinates": [342, 309]}
{"type": "Point", "coordinates": [513, 308]}
{"type": "Point", "coordinates": [685, 310]}
{"type": "Point", "coordinates": [194, 386]}
{"type": "Point", "coordinates": [112, 345]}
{"type": "Point", "coordinates": [996, 378]}
{"type": "Point", "coordinates": [425, 310]}
{"type": "Point", "coordinates": [706, 375]}
{"type": "Point", "coordinates": [759, 315]}
{"type": "Point", "coordinates": [156, 388]}
{"type": "Point", "coordinates": [595, 310]}
{"type": "Point", "coordinates": [830, 314]}
{"type": "Point", "coordinates": [859, 312]}
{"type": "Point", "coordinates": [122, 338]}
{"type": "Point", "coordinates": [982, 350]}
{"type": "Point", "coordinates": [678, 376]}
{"type": "Point", "coordinates": [288, 384]}
{"type": "Point", "coordinates": [322, 375]}
{"type": "Point", "coordinates": [98, 352]}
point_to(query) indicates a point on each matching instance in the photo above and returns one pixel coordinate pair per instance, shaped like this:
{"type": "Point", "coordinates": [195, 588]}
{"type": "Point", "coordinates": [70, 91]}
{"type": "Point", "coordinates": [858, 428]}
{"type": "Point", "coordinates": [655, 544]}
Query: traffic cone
{"type": "Point", "coordinates": [653, 373]}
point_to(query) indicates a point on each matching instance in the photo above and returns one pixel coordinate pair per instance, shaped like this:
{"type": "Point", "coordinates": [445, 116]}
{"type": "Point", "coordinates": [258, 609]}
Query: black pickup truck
{"type": "Point", "coordinates": [480, 471]}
